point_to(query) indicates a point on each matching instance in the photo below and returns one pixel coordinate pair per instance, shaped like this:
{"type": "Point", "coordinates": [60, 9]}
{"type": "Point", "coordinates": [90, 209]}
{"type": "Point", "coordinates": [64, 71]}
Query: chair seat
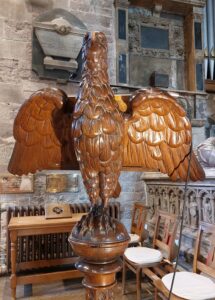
{"type": "Point", "coordinates": [190, 285]}
{"type": "Point", "coordinates": [143, 255]}
{"type": "Point", "coordinates": [134, 238]}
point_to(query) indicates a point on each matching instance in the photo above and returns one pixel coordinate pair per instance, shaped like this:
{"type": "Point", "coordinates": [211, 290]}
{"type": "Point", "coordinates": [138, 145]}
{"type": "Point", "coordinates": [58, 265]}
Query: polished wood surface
{"type": "Point", "coordinates": [97, 125]}
{"type": "Point", "coordinates": [35, 222]}
{"type": "Point", "coordinates": [38, 225]}
{"type": "Point", "coordinates": [159, 136]}
{"type": "Point", "coordinates": [138, 221]}
{"type": "Point", "coordinates": [190, 60]}
{"type": "Point", "coordinates": [210, 86]}
{"type": "Point", "coordinates": [200, 265]}
{"type": "Point", "coordinates": [153, 133]}
{"type": "Point", "coordinates": [43, 128]}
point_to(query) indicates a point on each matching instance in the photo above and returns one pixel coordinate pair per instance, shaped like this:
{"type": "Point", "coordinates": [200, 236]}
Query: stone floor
{"type": "Point", "coordinates": [67, 290]}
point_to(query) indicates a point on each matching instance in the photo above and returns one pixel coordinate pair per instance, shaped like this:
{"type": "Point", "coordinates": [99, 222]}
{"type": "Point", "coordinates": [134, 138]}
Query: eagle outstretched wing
{"type": "Point", "coordinates": [158, 136]}
{"type": "Point", "coordinates": [42, 130]}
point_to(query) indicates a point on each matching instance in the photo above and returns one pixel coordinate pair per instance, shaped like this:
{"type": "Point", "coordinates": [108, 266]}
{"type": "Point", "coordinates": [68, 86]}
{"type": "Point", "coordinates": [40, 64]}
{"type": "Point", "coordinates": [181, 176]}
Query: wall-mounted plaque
{"type": "Point", "coordinates": [156, 38]}
{"type": "Point", "coordinates": [57, 41]}
{"type": "Point", "coordinates": [10, 184]}
{"type": "Point", "coordinates": [60, 183]}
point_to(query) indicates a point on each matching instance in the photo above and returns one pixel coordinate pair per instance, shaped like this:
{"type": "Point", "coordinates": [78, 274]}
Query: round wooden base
{"type": "Point", "coordinates": [99, 279]}
{"type": "Point", "coordinates": [99, 241]}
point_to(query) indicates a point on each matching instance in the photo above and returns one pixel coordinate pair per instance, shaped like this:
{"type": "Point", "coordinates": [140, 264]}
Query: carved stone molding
{"type": "Point", "coordinates": [168, 196]}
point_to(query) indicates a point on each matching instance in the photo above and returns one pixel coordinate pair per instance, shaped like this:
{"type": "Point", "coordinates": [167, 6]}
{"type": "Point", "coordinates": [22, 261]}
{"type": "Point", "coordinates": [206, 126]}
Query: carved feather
{"type": "Point", "coordinates": [155, 136]}
{"type": "Point", "coordinates": [98, 124]}
{"type": "Point", "coordinates": [159, 136]}
{"type": "Point", "coordinates": [42, 131]}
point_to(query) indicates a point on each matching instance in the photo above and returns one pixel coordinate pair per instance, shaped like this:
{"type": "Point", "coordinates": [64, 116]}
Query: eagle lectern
{"type": "Point", "coordinates": [153, 133]}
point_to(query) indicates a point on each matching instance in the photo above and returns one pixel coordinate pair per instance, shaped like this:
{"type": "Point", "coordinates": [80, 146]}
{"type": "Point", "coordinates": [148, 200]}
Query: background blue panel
{"type": "Point", "coordinates": [122, 68]}
{"type": "Point", "coordinates": [122, 24]}
{"type": "Point", "coordinates": [198, 35]}
{"type": "Point", "coordinates": [155, 38]}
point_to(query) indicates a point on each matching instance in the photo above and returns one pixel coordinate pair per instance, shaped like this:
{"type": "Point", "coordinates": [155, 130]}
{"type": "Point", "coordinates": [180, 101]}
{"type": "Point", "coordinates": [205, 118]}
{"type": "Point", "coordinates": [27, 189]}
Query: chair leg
{"type": "Point", "coordinates": [124, 269]}
{"type": "Point", "coordinates": [138, 283]}
{"type": "Point", "coordinates": [156, 294]}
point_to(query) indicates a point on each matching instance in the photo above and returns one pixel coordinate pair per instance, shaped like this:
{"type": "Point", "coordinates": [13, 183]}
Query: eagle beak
{"type": "Point", "coordinates": [93, 35]}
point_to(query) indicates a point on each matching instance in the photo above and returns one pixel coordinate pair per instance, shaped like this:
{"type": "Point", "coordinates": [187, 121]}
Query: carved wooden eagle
{"type": "Point", "coordinates": [52, 132]}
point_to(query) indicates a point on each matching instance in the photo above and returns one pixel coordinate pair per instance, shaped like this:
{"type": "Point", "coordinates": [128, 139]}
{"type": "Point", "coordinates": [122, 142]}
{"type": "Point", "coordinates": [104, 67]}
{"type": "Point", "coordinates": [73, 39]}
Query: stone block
{"type": "Point", "coordinates": [198, 135]}
{"type": "Point", "coordinates": [6, 130]}
{"type": "Point", "coordinates": [29, 87]}
{"type": "Point", "coordinates": [17, 30]}
{"type": "Point", "coordinates": [211, 106]}
{"type": "Point", "coordinates": [60, 4]}
{"type": "Point", "coordinates": [88, 6]}
{"type": "Point", "coordinates": [5, 153]}
{"type": "Point", "coordinates": [98, 22]}
{"type": "Point", "coordinates": [71, 88]}
{"type": "Point", "coordinates": [11, 93]}
{"type": "Point", "coordinates": [150, 64]}
{"type": "Point", "coordinates": [9, 70]}
{"type": "Point", "coordinates": [13, 49]}
{"type": "Point", "coordinates": [129, 176]}
{"type": "Point", "coordinates": [100, 4]}
{"type": "Point", "coordinates": [1, 27]}
{"type": "Point", "coordinates": [201, 107]}
{"type": "Point", "coordinates": [129, 197]}
{"type": "Point", "coordinates": [16, 10]}
{"type": "Point", "coordinates": [8, 111]}
{"type": "Point", "coordinates": [180, 71]}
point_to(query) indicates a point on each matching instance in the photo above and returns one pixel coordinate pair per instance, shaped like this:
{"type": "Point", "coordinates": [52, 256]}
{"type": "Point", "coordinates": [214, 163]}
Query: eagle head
{"type": "Point", "coordinates": [95, 46]}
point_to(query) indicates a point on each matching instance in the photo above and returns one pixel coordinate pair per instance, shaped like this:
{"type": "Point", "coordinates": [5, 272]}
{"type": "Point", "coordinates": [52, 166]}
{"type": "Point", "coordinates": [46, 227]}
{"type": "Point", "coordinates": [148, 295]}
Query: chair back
{"type": "Point", "coordinates": [165, 234]}
{"type": "Point", "coordinates": [200, 263]}
{"type": "Point", "coordinates": [139, 218]}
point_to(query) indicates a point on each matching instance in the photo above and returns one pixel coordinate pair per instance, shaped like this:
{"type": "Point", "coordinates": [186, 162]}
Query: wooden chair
{"type": "Point", "coordinates": [138, 258]}
{"type": "Point", "coordinates": [191, 285]}
{"type": "Point", "coordinates": [138, 233]}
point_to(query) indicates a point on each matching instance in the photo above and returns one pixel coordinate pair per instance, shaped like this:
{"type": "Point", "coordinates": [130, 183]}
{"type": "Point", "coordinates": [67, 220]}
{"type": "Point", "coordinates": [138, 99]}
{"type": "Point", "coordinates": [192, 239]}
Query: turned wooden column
{"type": "Point", "coordinates": [13, 278]}
{"type": "Point", "coordinates": [99, 279]}
{"type": "Point", "coordinates": [99, 241]}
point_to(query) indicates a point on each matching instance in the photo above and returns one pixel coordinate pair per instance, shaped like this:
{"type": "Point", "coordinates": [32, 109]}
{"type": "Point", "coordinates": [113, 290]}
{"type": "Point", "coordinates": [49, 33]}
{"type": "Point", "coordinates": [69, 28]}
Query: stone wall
{"type": "Point", "coordinates": [17, 80]}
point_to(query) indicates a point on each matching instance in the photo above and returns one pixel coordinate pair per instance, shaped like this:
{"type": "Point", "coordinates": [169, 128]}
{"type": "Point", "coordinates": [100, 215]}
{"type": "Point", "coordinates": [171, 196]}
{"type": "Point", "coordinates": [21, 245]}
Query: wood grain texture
{"type": "Point", "coordinates": [98, 124]}
{"type": "Point", "coordinates": [42, 130]}
{"type": "Point", "coordinates": [158, 136]}
{"type": "Point", "coordinates": [153, 133]}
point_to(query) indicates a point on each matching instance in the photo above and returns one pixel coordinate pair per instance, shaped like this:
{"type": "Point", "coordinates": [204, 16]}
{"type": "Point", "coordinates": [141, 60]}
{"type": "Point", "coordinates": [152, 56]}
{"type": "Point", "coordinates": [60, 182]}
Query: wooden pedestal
{"type": "Point", "coordinates": [99, 279]}
{"type": "Point", "coordinates": [99, 241]}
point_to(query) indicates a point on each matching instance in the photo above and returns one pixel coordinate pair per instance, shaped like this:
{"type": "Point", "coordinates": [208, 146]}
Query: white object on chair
{"type": "Point", "coordinates": [134, 238]}
{"type": "Point", "coordinates": [190, 286]}
{"type": "Point", "coordinates": [143, 255]}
